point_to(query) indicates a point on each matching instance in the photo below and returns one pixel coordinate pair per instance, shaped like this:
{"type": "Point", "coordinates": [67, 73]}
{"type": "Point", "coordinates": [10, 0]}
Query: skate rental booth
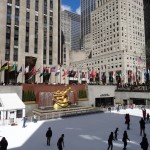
{"type": "Point", "coordinates": [12, 109]}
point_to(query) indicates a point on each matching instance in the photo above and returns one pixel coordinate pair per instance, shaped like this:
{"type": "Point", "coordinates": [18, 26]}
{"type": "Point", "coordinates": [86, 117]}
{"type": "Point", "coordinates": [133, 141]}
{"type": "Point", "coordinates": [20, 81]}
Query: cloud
{"type": "Point", "coordinates": [78, 10]}
{"type": "Point", "coordinates": [66, 7]}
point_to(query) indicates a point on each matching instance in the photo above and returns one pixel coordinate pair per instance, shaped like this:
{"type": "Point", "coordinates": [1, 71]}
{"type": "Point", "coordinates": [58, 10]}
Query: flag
{"type": "Point", "coordinates": [53, 69]}
{"type": "Point", "coordinates": [4, 67]}
{"type": "Point", "coordinates": [20, 70]}
{"type": "Point", "coordinates": [90, 55]}
{"type": "Point", "coordinates": [114, 75]}
{"type": "Point", "coordinates": [76, 74]}
{"type": "Point", "coordinates": [38, 71]}
{"type": "Point", "coordinates": [83, 74]}
{"type": "Point", "coordinates": [65, 73]}
{"type": "Point", "coordinates": [26, 70]}
{"type": "Point", "coordinates": [89, 74]}
{"type": "Point", "coordinates": [33, 70]}
{"type": "Point", "coordinates": [57, 72]}
{"type": "Point", "coordinates": [12, 68]}
{"type": "Point", "coordinates": [93, 74]}
{"type": "Point", "coordinates": [139, 60]}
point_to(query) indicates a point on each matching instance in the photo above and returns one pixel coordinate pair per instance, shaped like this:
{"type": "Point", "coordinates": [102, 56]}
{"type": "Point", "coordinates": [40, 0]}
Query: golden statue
{"type": "Point", "coordinates": [61, 99]}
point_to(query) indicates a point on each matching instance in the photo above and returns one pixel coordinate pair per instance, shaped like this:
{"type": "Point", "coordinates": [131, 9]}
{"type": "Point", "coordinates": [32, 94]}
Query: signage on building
{"type": "Point", "coordinates": [104, 95]}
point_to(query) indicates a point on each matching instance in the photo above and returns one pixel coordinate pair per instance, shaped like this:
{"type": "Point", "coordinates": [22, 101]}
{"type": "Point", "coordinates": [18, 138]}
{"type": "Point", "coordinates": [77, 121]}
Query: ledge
{"type": "Point", "coordinates": [29, 102]}
{"type": "Point", "coordinates": [82, 99]}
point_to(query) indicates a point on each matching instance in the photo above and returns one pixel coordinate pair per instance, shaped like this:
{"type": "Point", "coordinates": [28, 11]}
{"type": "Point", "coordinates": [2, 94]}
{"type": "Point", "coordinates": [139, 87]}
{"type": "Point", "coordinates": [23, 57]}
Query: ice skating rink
{"type": "Point", "coordinates": [87, 132]}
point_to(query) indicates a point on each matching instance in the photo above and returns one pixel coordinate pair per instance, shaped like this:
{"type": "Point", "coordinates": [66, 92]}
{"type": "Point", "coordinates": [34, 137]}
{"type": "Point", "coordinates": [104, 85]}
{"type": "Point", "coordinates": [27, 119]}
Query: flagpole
{"type": "Point", "coordinates": [60, 73]}
{"type": "Point", "coordinates": [1, 72]}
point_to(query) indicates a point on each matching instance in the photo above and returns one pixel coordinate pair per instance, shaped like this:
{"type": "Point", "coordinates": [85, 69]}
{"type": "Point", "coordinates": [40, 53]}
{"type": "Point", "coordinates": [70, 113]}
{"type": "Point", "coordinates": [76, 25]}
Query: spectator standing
{"type": "Point", "coordinates": [34, 118]}
{"type": "Point", "coordinates": [24, 122]}
{"type": "Point", "coordinates": [60, 143]}
{"type": "Point", "coordinates": [142, 126]}
{"type": "Point", "coordinates": [3, 144]}
{"type": "Point", "coordinates": [144, 144]}
{"type": "Point", "coordinates": [110, 139]}
{"type": "Point", "coordinates": [125, 138]}
{"type": "Point", "coordinates": [49, 135]}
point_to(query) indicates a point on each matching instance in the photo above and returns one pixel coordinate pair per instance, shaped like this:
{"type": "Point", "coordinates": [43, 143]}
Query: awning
{"type": "Point", "coordinates": [10, 101]}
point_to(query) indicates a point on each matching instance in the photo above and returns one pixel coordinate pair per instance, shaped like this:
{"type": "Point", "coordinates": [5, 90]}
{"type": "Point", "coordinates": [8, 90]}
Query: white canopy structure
{"type": "Point", "coordinates": [11, 101]}
{"type": "Point", "coordinates": [11, 107]}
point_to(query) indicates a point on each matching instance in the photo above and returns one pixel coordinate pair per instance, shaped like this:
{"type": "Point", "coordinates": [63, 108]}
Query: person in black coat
{"type": "Point", "coordinates": [116, 134]}
{"type": "Point", "coordinates": [144, 144]}
{"type": "Point", "coordinates": [127, 121]}
{"type": "Point", "coordinates": [60, 142]}
{"type": "Point", "coordinates": [110, 139]}
{"type": "Point", "coordinates": [3, 144]}
{"type": "Point", "coordinates": [142, 126]}
{"type": "Point", "coordinates": [49, 135]}
{"type": "Point", "coordinates": [125, 138]}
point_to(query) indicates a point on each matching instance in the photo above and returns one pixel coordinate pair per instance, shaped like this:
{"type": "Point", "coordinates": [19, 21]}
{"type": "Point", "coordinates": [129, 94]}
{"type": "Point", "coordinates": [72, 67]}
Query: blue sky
{"type": "Point", "coordinates": [71, 5]}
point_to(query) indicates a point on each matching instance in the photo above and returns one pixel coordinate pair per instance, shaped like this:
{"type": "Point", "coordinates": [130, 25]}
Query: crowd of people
{"type": "Point", "coordinates": [144, 143]}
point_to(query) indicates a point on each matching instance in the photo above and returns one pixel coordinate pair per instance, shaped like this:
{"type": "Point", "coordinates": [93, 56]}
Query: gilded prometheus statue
{"type": "Point", "coordinates": [61, 99]}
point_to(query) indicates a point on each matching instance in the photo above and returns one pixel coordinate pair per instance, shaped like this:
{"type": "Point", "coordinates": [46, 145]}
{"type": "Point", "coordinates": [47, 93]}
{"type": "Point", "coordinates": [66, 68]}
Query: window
{"type": "Point", "coordinates": [17, 2]}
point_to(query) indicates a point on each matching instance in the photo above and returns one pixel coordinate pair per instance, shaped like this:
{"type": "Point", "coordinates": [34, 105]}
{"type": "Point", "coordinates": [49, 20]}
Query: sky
{"type": "Point", "coordinates": [71, 5]}
{"type": "Point", "coordinates": [84, 132]}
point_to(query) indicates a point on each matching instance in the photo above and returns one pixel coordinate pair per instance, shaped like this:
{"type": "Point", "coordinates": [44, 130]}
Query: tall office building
{"type": "Point", "coordinates": [118, 41]}
{"type": "Point", "coordinates": [147, 30]}
{"type": "Point", "coordinates": [29, 35]}
{"type": "Point", "coordinates": [70, 25]}
{"type": "Point", "coordinates": [87, 6]}
{"type": "Point", "coordinates": [72, 19]}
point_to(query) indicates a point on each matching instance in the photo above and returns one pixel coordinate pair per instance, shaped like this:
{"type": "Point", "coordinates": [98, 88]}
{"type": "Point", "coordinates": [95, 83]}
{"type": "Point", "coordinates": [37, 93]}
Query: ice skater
{"type": "Point", "coordinates": [144, 114]}
{"type": "Point", "coordinates": [147, 118]}
{"type": "Point", "coordinates": [110, 139]}
{"type": "Point", "coordinates": [142, 126]}
{"type": "Point", "coordinates": [116, 134]}
{"type": "Point", "coordinates": [60, 143]}
{"type": "Point", "coordinates": [48, 136]}
{"type": "Point", "coordinates": [124, 139]}
{"type": "Point", "coordinates": [3, 144]}
{"type": "Point", "coordinates": [127, 121]}
{"type": "Point", "coordinates": [144, 144]}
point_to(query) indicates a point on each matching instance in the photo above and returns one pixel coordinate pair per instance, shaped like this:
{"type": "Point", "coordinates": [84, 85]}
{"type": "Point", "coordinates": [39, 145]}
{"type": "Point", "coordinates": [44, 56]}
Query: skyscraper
{"type": "Point", "coordinates": [30, 34]}
{"type": "Point", "coordinates": [118, 41]}
{"type": "Point", "coordinates": [147, 30]}
{"type": "Point", "coordinates": [87, 6]}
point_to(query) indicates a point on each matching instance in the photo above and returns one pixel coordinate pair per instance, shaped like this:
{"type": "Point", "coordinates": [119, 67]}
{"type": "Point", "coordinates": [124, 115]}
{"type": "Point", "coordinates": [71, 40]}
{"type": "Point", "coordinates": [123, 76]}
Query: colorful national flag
{"type": "Point", "coordinates": [57, 72]}
{"type": "Point", "coordinates": [4, 67]}
{"type": "Point", "coordinates": [12, 68]}
{"type": "Point", "coordinates": [65, 73]}
{"type": "Point", "coordinates": [53, 69]}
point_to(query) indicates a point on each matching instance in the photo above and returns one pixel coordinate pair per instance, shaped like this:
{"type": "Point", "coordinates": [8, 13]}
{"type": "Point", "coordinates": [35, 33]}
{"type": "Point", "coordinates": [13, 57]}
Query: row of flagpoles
{"type": "Point", "coordinates": [45, 71]}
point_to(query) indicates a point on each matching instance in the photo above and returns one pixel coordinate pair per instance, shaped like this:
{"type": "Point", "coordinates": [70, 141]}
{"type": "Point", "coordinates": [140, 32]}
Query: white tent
{"type": "Point", "coordinates": [10, 107]}
{"type": "Point", "coordinates": [11, 101]}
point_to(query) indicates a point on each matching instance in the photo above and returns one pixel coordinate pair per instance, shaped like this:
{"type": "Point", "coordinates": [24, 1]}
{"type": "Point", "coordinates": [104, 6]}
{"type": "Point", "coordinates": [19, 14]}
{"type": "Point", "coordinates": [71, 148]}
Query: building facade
{"type": "Point", "coordinates": [71, 28]}
{"type": "Point", "coordinates": [118, 41]}
{"type": "Point", "coordinates": [87, 6]}
{"type": "Point", "coordinates": [29, 35]}
{"type": "Point", "coordinates": [147, 30]}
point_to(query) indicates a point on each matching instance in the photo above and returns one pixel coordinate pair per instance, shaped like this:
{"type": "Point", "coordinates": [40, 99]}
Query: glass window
{"type": "Point", "coordinates": [17, 2]}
